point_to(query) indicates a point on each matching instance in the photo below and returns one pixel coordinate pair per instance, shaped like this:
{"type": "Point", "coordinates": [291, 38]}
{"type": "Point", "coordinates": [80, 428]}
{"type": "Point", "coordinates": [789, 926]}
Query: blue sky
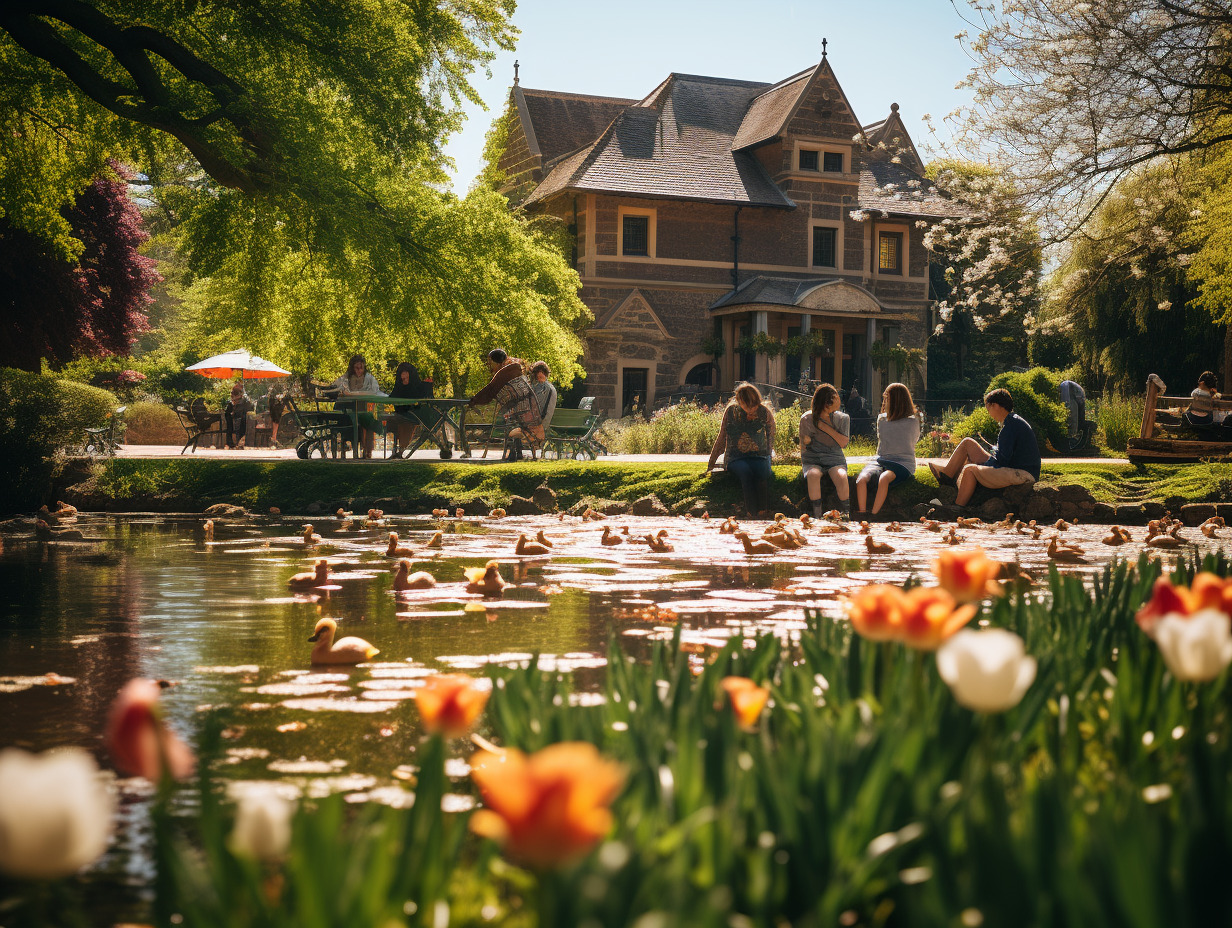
{"type": "Point", "coordinates": [883, 52]}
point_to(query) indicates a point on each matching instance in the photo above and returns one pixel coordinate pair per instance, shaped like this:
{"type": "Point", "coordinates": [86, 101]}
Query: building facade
{"type": "Point", "coordinates": [713, 211]}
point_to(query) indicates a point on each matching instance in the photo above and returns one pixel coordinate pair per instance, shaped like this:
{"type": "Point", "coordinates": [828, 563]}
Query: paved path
{"type": "Point", "coordinates": [288, 454]}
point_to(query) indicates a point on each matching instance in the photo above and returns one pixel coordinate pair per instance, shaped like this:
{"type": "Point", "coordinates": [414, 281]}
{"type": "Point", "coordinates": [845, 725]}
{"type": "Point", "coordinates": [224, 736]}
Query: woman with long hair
{"type": "Point", "coordinates": [825, 431]}
{"type": "Point", "coordinates": [407, 385]}
{"type": "Point", "coordinates": [898, 430]}
{"type": "Point", "coordinates": [359, 380]}
{"type": "Point", "coordinates": [746, 436]}
{"type": "Point", "coordinates": [515, 401]}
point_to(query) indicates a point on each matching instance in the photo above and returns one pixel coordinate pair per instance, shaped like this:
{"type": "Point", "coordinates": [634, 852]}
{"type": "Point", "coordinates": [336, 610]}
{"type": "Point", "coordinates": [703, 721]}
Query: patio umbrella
{"type": "Point", "coordinates": [238, 363]}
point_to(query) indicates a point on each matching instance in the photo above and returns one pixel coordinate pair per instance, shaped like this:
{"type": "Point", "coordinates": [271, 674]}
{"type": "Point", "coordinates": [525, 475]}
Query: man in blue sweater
{"type": "Point", "coordinates": [1014, 459]}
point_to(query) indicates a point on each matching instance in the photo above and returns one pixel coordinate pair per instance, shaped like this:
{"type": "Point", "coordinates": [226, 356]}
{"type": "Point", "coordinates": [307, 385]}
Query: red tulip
{"type": "Point", "coordinates": [138, 740]}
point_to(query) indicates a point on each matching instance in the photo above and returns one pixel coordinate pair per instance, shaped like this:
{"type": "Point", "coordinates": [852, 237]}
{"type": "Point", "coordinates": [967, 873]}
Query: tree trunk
{"type": "Point", "coordinates": [1227, 359]}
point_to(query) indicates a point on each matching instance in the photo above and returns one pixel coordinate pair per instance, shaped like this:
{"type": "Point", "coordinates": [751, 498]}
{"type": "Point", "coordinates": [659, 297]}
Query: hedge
{"type": "Point", "coordinates": [1036, 398]}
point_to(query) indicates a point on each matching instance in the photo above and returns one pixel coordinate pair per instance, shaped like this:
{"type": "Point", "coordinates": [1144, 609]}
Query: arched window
{"type": "Point", "coordinates": [701, 375]}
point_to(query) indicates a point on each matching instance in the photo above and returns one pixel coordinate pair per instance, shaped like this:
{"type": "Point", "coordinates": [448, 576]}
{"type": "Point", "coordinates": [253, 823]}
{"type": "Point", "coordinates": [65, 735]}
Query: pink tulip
{"type": "Point", "coordinates": [138, 740]}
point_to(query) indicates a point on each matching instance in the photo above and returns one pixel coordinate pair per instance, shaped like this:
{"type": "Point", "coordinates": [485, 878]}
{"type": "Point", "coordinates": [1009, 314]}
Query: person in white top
{"type": "Point", "coordinates": [358, 380]}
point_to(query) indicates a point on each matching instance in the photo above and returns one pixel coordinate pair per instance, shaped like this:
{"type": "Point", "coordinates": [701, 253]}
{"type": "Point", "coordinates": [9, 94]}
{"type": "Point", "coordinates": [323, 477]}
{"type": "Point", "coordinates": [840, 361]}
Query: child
{"type": "Point", "coordinates": [824, 433]}
{"type": "Point", "coordinates": [747, 435]}
{"type": "Point", "coordinates": [898, 430]}
{"type": "Point", "coordinates": [1201, 410]}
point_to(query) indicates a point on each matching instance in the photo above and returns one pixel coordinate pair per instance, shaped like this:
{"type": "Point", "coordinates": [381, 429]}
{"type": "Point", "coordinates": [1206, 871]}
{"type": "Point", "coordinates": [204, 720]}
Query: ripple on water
{"type": "Point", "coordinates": [20, 684]}
{"type": "Point", "coordinates": [323, 704]}
{"type": "Point", "coordinates": [303, 767]}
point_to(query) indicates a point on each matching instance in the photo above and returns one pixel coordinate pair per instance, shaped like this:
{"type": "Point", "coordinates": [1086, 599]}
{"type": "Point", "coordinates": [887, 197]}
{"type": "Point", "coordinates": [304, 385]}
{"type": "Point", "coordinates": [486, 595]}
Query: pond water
{"type": "Point", "coordinates": [150, 596]}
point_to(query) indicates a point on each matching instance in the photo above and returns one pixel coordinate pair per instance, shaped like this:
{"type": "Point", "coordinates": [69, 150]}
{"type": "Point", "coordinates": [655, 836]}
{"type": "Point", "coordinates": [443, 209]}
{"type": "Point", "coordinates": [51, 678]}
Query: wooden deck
{"type": "Point", "coordinates": [1157, 441]}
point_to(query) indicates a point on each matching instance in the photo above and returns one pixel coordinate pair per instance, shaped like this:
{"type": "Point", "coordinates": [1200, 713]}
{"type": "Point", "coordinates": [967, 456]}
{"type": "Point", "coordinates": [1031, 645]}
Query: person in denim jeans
{"type": "Point", "coordinates": [747, 437]}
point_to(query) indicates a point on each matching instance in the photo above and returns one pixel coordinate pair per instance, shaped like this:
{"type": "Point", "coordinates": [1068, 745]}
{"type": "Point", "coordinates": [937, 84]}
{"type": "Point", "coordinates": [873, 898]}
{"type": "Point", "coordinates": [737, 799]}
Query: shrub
{"type": "Point", "coordinates": [687, 428]}
{"type": "Point", "coordinates": [133, 377]}
{"type": "Point", "coordinates": [1119, 419]}
{"type": "Point", "coordinates": [1035, 394]}
{"type": "Point", "coordinates": [152, 424]}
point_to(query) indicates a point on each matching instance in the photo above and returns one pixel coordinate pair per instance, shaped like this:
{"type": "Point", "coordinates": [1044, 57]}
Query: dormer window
{"type": "Point", "coordinates": [808, 160]}
{"type": "Point", "coordinates": [890, 253]}
{"type": "Point", "coordinates": [832, 162]}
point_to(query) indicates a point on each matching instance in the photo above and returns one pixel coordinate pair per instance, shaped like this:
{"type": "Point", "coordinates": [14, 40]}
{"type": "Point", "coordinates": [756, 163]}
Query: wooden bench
{"type": "Point", "coordinates": [1157, 440]}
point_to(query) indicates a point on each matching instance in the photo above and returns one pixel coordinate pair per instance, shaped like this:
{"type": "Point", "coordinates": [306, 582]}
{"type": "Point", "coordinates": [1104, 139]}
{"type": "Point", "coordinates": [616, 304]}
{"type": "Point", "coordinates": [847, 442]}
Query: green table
{"type": "Point", "coordinates": [437, 416]}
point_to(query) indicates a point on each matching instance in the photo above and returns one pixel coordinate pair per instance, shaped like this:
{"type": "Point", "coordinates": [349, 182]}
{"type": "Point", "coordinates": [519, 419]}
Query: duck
{"type": "Point", "coordinates": [376, 518]}
{"type": "Point", "coordinates": [729, 527]}
{"type": "Point", "coordinates": [877, 547]}
{"type": "Point", "coordinates": [806, 520]}
{"type": "Point", "coordinates": [1169, 540]}
{"type": "Point", "coordinates": [781, 540]}
{"type": "Point", "coordinates": [341, 514]}
{"type": "Point", "coordinates": [1211, 526]}
{"type": "Point", "coordinates": [318, 576]}
{"type": "Point", "coordinates": [611, 538]}
{"type": "Point", "coordinates": [1118, 536]}
{"type": "Point", "coordinates": [931, 525]}
{"type": "Point", "coordinates": [459, 513]}
{"type": "Point", "coordinates": [659, 543]}
{"type": "Point", "coordinates": [349, 650]}
{"type": "Point", "coordinates": [527, 547]}
{"type": "Point", "coordinates": [590, 515]}
{"type": "Point", "coordinates": [1007, 522]}
{"type": "Point", "coordinates": [440, 513]}
{"type": "Point", "coordinates": [496, 514]}
{"type": "Point", "coordinates": [755, 547]}
{"type": "Point", "coordinates": [394, 549]}
{"type": "Point", "coordinates": [895, 527]}
{"type": "Point", "coordinates": [833, 528]}
{"type": "Point", "coordinates": [435, 541]}
{"type": "Point", "coordinates": [1062, 526]}
{"type": "Point", "coordinates": [310, 537]}
{"type": "Point", "coordinates": [405, 580]}
{"type": "Point", "coordinates": [973, 522]}
{"type": "Point", "coordinates": [834, 516]}
{"type": "Point", "coordinates": [952, 537]}
{"type": "Point", "coordinates": [1036, 530]}
{"type": "Point", "coordinates": [1065, 555]}
{"type": "Point", "coordinates": [275, 511]}
{"type": "Point", "coordinates": [486, 580]}
{"type": "Point", "coordinates": [544, 540]}
{"type": "Point", "coordinates": [865, 528]}
{"type": "Point", "coordinates": [208, 529]}
{"type": "Point", "coordinates": [64, 510]}
{"type": "Point", "coordinates": [705, 515]}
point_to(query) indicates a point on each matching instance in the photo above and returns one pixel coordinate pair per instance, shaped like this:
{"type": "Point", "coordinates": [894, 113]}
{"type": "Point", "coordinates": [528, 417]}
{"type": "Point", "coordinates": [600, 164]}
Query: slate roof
{"type": "Point", "coordinates": [676, 143]}
{"type": "Point", "coordinates": [565, 122]}
{"type": "Point", "coordinates": [780, 291]}
{"type": "Point", "coordinates": [770, 110]}
{"type": "Point", "coordinates": [893, 188]}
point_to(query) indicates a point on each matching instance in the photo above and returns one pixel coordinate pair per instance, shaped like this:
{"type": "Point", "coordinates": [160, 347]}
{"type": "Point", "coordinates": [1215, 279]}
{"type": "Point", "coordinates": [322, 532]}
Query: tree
{"type": "Point", "coordinates": [1209, 236]}
{"type": "Point", "coordinates": [55, 309]}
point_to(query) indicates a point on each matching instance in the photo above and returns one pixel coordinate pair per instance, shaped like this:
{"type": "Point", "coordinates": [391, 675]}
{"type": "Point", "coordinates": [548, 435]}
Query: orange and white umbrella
{"type": "Point", "coordinates": [238, 363]}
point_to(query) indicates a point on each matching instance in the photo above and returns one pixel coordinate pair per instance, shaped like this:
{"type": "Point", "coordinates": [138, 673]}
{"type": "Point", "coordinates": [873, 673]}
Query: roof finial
{"type": "Point", "coordinates": [824, 43]}
{"type": "Point", "coordinates": [515, 72]}
{"type": "Point", "coordinates": [893, 107]}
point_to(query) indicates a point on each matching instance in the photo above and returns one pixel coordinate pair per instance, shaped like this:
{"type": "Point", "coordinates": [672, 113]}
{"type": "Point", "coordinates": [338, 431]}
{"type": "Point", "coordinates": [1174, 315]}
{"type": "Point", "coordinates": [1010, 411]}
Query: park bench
{"type": "Point", "coordinates": [1160, 441]}
{"type": "Point", "coordinates": [198, 423]}
{"type": "Point", "coordinates": [572, 434]}
{"type": "Point", "coordinates": [322, 431]}
{"type": "Point", "coordinates": [106, 439]}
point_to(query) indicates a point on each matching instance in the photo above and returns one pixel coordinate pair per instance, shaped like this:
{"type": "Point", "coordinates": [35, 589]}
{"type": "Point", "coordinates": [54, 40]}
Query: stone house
{"type": "Point", "coordinates": [715, 208]}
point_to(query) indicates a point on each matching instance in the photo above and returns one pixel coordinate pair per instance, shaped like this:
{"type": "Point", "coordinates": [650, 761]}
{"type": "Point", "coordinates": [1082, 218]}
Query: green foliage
{"type": "Point", "coordinates": [761, 343]}
{"type": "Point", "coordinates": [1119, 419]}
{"type": "Point", "coordinates": [1036, 398]}
{"type": "Point", "coordinates": [689, 428]}
{"type": "Point", "coordinates": [152, 424]}
{"type": "Point", "coordinates": [39, 416]}
{"type": "Point", "coordinates": [165, 378]}
{"type": "Point", "coordinates": [714, 346]}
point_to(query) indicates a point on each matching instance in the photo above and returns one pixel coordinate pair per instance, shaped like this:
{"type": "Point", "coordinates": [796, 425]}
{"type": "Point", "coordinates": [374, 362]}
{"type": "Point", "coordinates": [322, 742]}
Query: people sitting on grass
{"type": "Point", "coordinates": [824, 433]}
{"type": "Point", "coordinates": [515, 401]}
{"type": "Point", "coordinates": [407, 385]}
{"type": "Point", "coordinates": [1015, 459]}
{"type": "Point", "coordinates": [1201, 411]}
{"type": "Point", "coordinates": [358, 380]}
{"type": "Point", "coordinates": [544, 392]}
{"type": "Point", "coordinates": [235, 414]}
{"type": "Point", "coordinates": [898, 430]}
{"type": "Point", "coordinates": [746, 439]}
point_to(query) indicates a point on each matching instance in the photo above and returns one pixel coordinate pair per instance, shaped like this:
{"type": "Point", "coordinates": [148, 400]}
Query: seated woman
{"type": "Point", "coordinates": [407, 385]}
{"type": "Point", "coordinates": [898, 430]}
{"type": "Point", "coordinates": [235, 413]}
{"type": "Point", "coordinates": [1201, 411]}
{"type": "Point", "coordinates": [544, 392]}
{"type": "Point", "coordinates": [824, 433]}
{"type": "Point", "coordinates": [358, 380]}
{"type": "Point", "coordinates": [515, 401]}
{"type": "Point", "coordinates": [747, 436]}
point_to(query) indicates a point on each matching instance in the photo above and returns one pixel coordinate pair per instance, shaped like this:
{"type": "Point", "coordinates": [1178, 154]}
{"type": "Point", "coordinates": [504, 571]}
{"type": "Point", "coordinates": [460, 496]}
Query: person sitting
{"type": "Point", "coordinates": [358, 380]}
{"type": "Point", "coordinates": [277, 406]}
{"type": "Point", "coordinates": [898, 430]}
{"type": "Point", "coordinates": [746, 438]}
{"type": "Point", "coordinates": [1201, 411]}
{"type": "Point", "coordinates": [407, 385]}
{"type": "Point", "coordinates": [544, 392]}
{"type": "Point", "coordinates": [235, 414]}
{"type": "Point", "coordinates": [1015, 459]}
{"type": "Point", "coordinates": [824, 433]}
{"type": "Point", "coordinates": [515, 401]}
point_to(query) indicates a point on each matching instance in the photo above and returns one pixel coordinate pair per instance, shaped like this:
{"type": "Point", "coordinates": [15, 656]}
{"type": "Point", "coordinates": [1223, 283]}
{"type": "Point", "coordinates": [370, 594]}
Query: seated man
{"type": "Point", "coordinates": [1014, 459]}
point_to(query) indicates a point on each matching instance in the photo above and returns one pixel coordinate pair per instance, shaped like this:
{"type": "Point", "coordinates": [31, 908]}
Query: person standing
{"type": "Point", "coordinates": [824, 433]}
{"type": "Point", "coordinates": [746, 438]}
{"type": "Point", "coordinates": [1015, 459]}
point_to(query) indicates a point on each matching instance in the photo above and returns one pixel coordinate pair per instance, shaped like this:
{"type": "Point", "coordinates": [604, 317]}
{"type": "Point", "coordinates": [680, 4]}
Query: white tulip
{"type": "Point", "coordinates": [262, 824]}
{"type": "Point", "coordinates": [1196, 647]}
{"type": "Point", "coordinates": [56, 815]}
{"type": "Point", "coordinates": [987, 671]}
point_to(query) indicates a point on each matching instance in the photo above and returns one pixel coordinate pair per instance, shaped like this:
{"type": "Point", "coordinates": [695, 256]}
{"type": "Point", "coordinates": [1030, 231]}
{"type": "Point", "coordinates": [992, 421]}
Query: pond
{"type": "Point", "coordinates": [152, 596]}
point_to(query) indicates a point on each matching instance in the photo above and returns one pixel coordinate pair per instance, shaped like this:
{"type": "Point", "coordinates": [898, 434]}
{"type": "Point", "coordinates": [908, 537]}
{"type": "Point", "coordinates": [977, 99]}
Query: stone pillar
{"type": "Point", "coordinates": [806, 359]}
{"type": "Point", "coordinates": [869, 338]}
{"type": "Point", "coordinates": [761, 364]}
{"type": "Point", "coordinates": [838, 355]}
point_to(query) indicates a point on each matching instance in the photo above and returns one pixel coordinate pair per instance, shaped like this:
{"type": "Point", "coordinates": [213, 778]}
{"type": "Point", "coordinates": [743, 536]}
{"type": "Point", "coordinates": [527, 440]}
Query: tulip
{"type": "Point", "coordinates": [1208, 591]}
{"type": "Point", "coordinates": [987, 671]}
{"type": "Point", "coordinates": [548, 808]}
{"type": "Point", "coordinates": [930, 617]}
{"type": "Point", "coordinates": [138, 740]}
{"type": "Point", "coordinates": [55, 814]}
{"type": "Point", "coordinates": [450, 703]}
{"type": "Point", "coordinates": [876, 612]}
{"type": "Point", "coordinates": [262, 827]}
{"type": "Point", "coordinates": [968, 576]}
{"type": "Point", "coordinates": [1197, 647]}
{"type": "Point", "coordinates": [747, 699]}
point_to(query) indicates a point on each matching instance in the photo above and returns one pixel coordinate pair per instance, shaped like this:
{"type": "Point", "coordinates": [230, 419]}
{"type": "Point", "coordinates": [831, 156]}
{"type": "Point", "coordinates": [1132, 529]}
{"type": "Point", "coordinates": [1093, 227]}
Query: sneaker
{"type": "Point", "coordinates": [844, 510]}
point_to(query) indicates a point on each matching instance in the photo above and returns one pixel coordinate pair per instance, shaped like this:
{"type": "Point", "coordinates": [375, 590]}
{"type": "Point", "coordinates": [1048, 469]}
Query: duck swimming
{"type": "Point", "coordinates": [611, 538]}
{"type": "Point", "coordinates": [310, 538]}
{"type": "Point", "coordinates": [877, 547]}
{"type": "Point", "coordinates": [349, 650]}
{"type": "Point", "coordinates": [394, 549]}
{"type": "Point", "coordinates": [496, 514]}
{"type": "Point", "coordinates": [405, 580]}
{"type": "Point", "coordinates": [752, 547]}
{"type": "Point", "coordinates": [486, 580]}
{"type": "Point", "coordinates": [1066, 555]}
{"type": "Point", "coordinates": [526, 547]}
{"type": "Point", "coordinates": [440, 513]}
{"type": "Point", "coordinates": [544, 540]}
{"type": "Point", "coordinates": [318, 576]}
{"type": "Point", "coordinates": [435, 541]}
{"type": "Point", "coordinates": [1118, 536]}
{"type": "Point", "coordinates": [659, 542]}
{"type": "Point", "coordinates": [208, 529]}
{"type": "Point", "coordinates": [729, 527]}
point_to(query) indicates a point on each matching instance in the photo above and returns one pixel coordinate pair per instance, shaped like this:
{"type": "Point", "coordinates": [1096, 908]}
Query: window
{"type": "Point", "coordinates": [808, 160]}
{"type": "Point", "coordinates": [636, 235]}
{"type": "Point", "coordinates": [823, 246]}
{"type": "Point", "coordinates": [832, 162]}
{"type": "Point", "coordinates": [890, 253]}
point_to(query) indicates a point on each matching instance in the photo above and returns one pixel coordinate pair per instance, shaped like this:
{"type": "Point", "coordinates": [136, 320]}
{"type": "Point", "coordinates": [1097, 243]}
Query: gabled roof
{"type": "Point", "coordinates": [771, 109]}
{"type": "Point", "coordinates": [558, 123]}
{"type": "Point", "coordinates": [894, 188]}
{"type": "Point", "coordinates": [676, 143]}
{"type": "Point", "coordinates": [794, 291]}
{"type": "Point", "coordinates": [885, 132]}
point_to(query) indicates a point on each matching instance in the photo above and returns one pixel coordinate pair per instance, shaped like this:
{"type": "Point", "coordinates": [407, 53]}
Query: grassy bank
{"type": "Point", "coordinates": [192, 484]}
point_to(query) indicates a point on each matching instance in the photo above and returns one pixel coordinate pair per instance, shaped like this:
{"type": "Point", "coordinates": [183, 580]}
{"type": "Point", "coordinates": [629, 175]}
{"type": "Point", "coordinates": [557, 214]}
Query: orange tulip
{"type": "Point", "coordinates": [932, 616]}
{"type": "Point", "coordinates": [968, 575]}
{"type": "Point", "coordinates": [449, 703]}
{"type": "Point", "coordinates": [876, 612]}
{"type": "Point", "coordinates": [1208, 591]}
{"type": "Point", "coordinates": [139, 742]}
{"type": "Point", "coordinates": [549, 808]}
{"type": "Point", "coordinates": [747, 699]}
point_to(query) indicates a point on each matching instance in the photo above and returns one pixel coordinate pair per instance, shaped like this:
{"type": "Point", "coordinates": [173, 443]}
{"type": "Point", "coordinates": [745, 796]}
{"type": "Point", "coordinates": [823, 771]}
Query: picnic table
{"type": "Point", "coordinates": [438, 416]}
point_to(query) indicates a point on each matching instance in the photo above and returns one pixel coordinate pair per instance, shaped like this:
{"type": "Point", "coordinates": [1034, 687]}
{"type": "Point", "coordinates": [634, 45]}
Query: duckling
{"type": "Point", "coordinates": [544, 540]}
{"type": "Point", "coordinates": [275, 511]}
{"type": "Point", "coordinates": [781, 540]}
{"type": "Point", "coordinates": [486, 580]}
{"type": "Point", "coordinates": [1020, 527]}
{"type": "Point", "coordinates": [952, 538]}
{"type": "Point", "coordinates": [799, 537]}
{"type": "Point", "coordinates": [659, 542]}
{"type": "Point", "coordinates": [341, 514]}
{"type": "Point", "coordinates": [1118, 536]}
{"type": "Point", "coordinates": [310, 537]}
{"type": "Point", "coordinates": [435, 541]}
{"type": "Point", "coordinates": [394, 549]}
{"type": "Point", "coordinates": [526, 547]}
{"type": "Point", "coordinates": [459, 513]}
{"type": "Point", "coordinates": [877, 547]}
{"type": "Point", "coordinates": [349, 650]}
{"type": "Point", "coordinates": [64, 510]}
{"type": "Point", "coordinates": [895, 527]}
{"type": "Point", "coordinates": [496, 514]}
{"type": "Point", "coordinates": [376, 514]}
{"type": "Point", "coordinates": [318, 576]}
{"type": "Point", "coordinates": [1062, 526]}
{"type": "Point", "coordinates": [973, 522]}
{"type": "Point", "coordinates": [705, 515]}
{"type": "Point", "coordinates": [440, 513]}
{"type": "Point", "coordinates": [752, 547]}
{"type": "Point", "coordinates": [1036, 530]}
{"type": "Point", "coordinates": [834, 516]}
{"type": "Point", "coordinates": [208, 529]}
{"type": "Point", "coordinates": [833, 528]}
{"type": "Point", "coordinates": [865, 528]}
{"type": "Point", "coordinates": [1210, 528]}
{"type": "Point", "coordinates": [780, 518]}
{"type": "Point", "coordinates": [1066, 555]}
{"type": "Point", "coordinates": [590, 515]}
{"type": "Point", "coordinates": [806, 520]}
{"type": "Point", "coordinates": [1171, 540]}
{"type": "Point", "coordinates": [405, 580]}
{"type": "Point", "coordinates": [611, 538]}
{"type": "Point", "coordinates": [1007, 522]}
{"type": "Point", "coordinates": [730, 527]}
{"type": "Point", "coordinates": [931, 525]}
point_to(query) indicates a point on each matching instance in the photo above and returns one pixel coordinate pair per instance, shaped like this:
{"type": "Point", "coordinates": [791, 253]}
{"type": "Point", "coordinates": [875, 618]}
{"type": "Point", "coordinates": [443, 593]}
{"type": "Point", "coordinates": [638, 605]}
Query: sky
{"type": "Point", "coordinates": [882, 51]}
